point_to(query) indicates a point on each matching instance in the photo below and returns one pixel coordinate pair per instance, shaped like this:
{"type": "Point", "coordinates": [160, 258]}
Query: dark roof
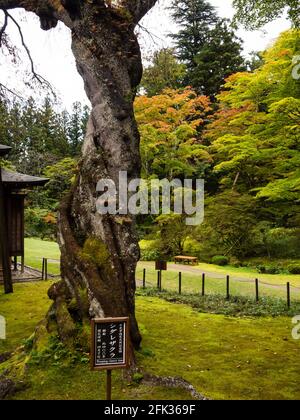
{"type": "Point", "coordinates": [4, 150]}
{"type": "Point", "coordinates": [16, 180]}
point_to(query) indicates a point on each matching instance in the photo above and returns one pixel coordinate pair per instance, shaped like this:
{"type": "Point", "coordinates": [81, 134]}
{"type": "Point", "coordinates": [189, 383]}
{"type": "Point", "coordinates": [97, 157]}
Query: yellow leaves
{"type": "Point", "coordinates": [50, 219]}
{"type": "Point", "coordinates": [172, 108]}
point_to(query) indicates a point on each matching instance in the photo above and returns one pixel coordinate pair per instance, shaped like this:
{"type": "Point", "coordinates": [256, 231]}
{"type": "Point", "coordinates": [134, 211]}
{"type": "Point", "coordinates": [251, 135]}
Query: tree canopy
{"type": "Point", "coordinates": [256, 13]}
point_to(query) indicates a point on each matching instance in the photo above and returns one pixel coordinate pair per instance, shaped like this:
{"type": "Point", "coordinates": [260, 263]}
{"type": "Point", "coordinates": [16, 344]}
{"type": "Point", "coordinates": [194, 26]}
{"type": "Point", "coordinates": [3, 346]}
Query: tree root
{"type": "Point", "coordinates": [172, 382]}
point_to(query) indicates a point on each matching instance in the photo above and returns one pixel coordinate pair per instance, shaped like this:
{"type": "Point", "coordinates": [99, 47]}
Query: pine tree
{"type": "Point", "coordinates": [206, 44]}
{"type": "Point", "coordinates": [219, 58]}
{"type": "Point", "coordinates": [77, 127]}
{"type": "Point", "coordinates": [195, 19]}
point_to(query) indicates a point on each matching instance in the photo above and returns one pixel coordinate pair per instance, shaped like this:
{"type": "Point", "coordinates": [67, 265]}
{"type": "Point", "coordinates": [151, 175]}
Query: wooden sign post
{"type": "Point", "coordinates": [109, 347]}
{"type": "Point", "coordinates": [160, 266]}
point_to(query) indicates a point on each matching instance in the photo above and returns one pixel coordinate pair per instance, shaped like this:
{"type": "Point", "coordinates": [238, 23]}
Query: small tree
{"type": "Point", "coordinates": [164, 72]}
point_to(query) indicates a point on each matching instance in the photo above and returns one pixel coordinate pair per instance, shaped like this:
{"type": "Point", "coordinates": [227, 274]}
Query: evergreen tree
{"type": "Point", "coordinates": [195, 19]}
{"type": "Point", "coordinates": [219, 58]}
{"type": "Point", "coordinates": [77, 127]}
{"type": "Point", "coordinates": [206, 44]}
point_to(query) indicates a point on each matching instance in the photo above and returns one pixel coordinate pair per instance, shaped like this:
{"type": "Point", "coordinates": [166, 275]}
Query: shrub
{"type": "Point", "coordinates": [150, 255]}
{"type": "Point", "coordinates": [192, 247]}
{"type": "Point", "coordinates": [262, 269]}
{"type": "Point", "coordinates": [220, 260]}
{"type": "Point", "coordinates": [294, 269]}
{"type": "Point", "coordinates": [40, 223]}
{"type": "Point", "coordinates": [235, 262]}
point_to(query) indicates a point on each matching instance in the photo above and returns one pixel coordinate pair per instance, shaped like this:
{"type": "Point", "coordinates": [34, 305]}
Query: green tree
{"type": "Point", "coordinates": [256, 13]}
{"type": "Point", "coordinates": [256, 149]}
{"type": "Point", "coordinates": [61, 176]}
{"type": "Point", "coordinates": [164, 72]}
{"type": "Point", "coordinates": [220, 57]}
{"type": "Point", "coordinates": [76, 128]}
{"type": "Point", "coordinates": [170, 126]}
{"type": "Point", "coordinates": [206, 44]}
{"type": "Point", "coordinates": [195, 19]}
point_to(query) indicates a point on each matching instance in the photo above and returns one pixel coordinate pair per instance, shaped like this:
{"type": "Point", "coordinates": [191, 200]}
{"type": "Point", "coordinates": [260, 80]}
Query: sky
{"type": "Point", "coordinates": [52, 54]}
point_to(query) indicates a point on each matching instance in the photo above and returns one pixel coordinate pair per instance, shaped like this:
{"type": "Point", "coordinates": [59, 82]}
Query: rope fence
{"type": "Point", "coordinates": [204, 285]}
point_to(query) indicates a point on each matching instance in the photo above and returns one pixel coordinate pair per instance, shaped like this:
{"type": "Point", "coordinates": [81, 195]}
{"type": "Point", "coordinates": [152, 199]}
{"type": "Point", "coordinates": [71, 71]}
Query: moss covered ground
{"type": "Point", "coordinates": [223, 357]}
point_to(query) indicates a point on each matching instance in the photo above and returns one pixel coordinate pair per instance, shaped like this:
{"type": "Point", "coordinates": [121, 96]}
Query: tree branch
{"type": "Point", "coordinates": [36, 76]}
{"type": "Point", "coordinates": [139, 8]}
{"type": "Point", "coordinates": [2, 30]}
{"type": "Point", "coordinates": [4, 88]}
{"type": "Point", "coordinates": [43, 9]}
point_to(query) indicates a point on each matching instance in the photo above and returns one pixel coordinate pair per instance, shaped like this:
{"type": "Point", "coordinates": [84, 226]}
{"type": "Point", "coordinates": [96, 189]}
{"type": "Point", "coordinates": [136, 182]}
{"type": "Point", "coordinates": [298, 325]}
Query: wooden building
{"type": "Point", "coordinates": [13, 188]}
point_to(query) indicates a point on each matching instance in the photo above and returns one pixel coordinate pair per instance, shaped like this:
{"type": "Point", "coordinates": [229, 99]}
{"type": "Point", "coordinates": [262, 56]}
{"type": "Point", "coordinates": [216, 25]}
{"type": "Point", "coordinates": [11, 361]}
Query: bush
{"type": "Point", "coordinates": [220, 260]}
{"type": "Point", "coordinates": [262, 269]}
{"type": "Point", "coordinates": [235, 262]}
{"type": "Point", "coordinates": [192, 247]}
{"type": "Point", "coordinates": [40, 223]}
{"type": "Point", "coordinates": [150, 255]}
{"type": "Point", "coordinates": [294, 269]}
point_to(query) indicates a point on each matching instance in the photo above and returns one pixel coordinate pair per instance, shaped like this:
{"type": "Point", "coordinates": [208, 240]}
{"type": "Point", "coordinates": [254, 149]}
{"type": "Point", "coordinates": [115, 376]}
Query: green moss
{"type": "Point", "coordinates": [137, 378]}
{"type": "Point", "coordinates": [23, 310]}
{"type": "Point", "coordinates": [66, 325]}
{"type": "Point", "coordinates": [222, 356]}
{"type": "Point", "coordinates": [95, 251]}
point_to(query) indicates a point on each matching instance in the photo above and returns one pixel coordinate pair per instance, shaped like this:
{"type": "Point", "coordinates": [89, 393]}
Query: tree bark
{"type": "Point", "coordinates": [111, 73]}
{"type": "Point", "coordinates": [99, 253]}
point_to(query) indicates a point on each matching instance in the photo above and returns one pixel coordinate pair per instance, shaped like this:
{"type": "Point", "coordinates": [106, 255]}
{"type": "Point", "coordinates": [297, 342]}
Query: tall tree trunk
{"type": "Point", "coordinates": [99, 253]}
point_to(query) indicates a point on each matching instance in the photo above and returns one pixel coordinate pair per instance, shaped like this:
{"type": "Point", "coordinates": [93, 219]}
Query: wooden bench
{"type": "Point", "coordinates": [186, 260]}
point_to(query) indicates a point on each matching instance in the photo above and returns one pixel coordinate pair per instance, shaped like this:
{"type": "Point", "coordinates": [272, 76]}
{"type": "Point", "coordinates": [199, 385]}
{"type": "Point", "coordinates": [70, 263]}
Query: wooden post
{"type": "Point", "coordinates": [22, 264]}
{"type": "Point", "coordinates": [180, 282]}
{"type": "Point", "coordinates": [15, 263]}
{"type": "Point", "coordinates": [256, 290]}
{"type": "Point", "coordinates": [160, 280]}
{"type": "Point", "coordinates": [288, 287]}
{"type": "Point", "coordinates": [203, 284]}
{"type": "Point", "coordinates": [46, 268]}
{"type": "Point", "coordinates": [144, 278]}
{"type": "Point", "coordinates": [227, 287]}
{"type": "Point", "coordinates": [108, 385]}
{"type": "Point", "coordinates": [43, 269]}
{"type": "Point", "coordinates": [4, 251]}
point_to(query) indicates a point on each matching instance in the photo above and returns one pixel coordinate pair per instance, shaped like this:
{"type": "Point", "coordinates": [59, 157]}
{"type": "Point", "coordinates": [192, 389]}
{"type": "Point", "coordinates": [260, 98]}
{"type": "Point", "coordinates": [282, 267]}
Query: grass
{"type": "Point", "coordinates": [223, 357]}
{"type": "Point", "coordinates": [192, 283]}
{"type": "Point", "coordinates": [250, 273]}
{"type": "Point", "coordinates": [22, 311]}
{"type": "Point", "coordinates": [36, 250]}
{"type": "Point", "coordinates": [235, 306]}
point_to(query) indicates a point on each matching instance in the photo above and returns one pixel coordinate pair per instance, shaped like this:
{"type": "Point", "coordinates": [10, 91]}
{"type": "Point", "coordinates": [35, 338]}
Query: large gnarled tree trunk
{"type": "Point", "coordinates": [99, 253]}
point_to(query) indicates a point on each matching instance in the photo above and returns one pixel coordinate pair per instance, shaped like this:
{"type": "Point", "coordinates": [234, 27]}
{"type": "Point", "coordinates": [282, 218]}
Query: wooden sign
{"type": "Point", "coordinates": [161, 265]}
{"type": "Point", "coordinates": [110, 340]}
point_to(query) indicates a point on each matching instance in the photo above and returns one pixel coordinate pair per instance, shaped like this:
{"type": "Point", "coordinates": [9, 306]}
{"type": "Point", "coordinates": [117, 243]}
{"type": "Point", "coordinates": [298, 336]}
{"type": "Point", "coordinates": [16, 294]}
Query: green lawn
{"type": "Point", "coordinates": [223, 357]}
{"type": "Point", "coordinates": [191, 282]}
{"type": "Point", "coordinates": [36, 250]}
